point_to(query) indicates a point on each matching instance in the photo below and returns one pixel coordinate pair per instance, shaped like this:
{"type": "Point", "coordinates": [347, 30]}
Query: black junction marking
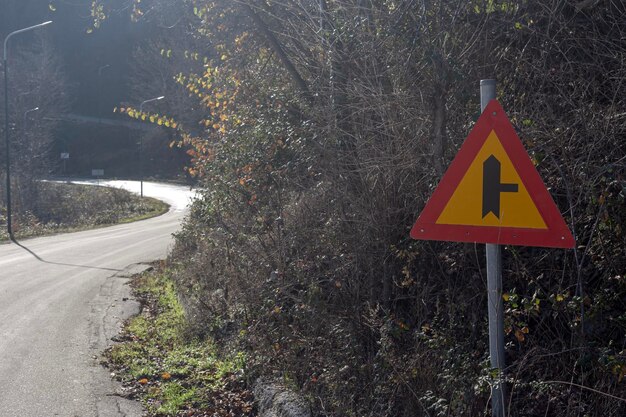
{"type": "Point", "coordinates": [492, 187]}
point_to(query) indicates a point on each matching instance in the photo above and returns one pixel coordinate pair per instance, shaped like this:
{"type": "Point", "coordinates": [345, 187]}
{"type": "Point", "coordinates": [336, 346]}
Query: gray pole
{"type": "Point", "coordinates": [8, 146]}
{"type": "Point", "coordinates": [494, 292]}
{"type": "Point", "coordinates": [100, 90]}
{"type": "Point", "coordinates": [6, 119]}
{"type": "Point", "coordinates": [141, 142]}
{"type": "Point", "coordinates": [24, 128]}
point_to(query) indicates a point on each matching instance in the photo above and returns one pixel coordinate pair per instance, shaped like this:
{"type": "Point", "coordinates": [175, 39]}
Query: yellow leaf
{"type": "Point", "coordinates": [143, 381]}
{"type": "Point", "coordinates": [519, 335]}
{"type": "Point", "coordinates": [559, 298]}
{"type": "Point", "coordinates": [166, 375]}
{"type": "Point", "coordinates": [506, 296]}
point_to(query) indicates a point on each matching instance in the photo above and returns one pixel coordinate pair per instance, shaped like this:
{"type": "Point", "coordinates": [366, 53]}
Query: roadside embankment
{"type": "Point", "coordinates": [169, 369]}
{"type": "Point", "coordinates": [60, 208]}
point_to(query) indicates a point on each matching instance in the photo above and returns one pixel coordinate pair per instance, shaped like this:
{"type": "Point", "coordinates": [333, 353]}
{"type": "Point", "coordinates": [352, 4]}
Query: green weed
{"type": "Point", "coordinates": [169, 371]}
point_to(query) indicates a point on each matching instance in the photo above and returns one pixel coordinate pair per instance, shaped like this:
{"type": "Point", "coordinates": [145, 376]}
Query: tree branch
{"type": "Point", "coordinates": [277, 47]}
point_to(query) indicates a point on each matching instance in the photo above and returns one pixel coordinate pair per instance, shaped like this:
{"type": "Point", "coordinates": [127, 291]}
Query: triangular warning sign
{"type": "Point", "coordinates": [492, 193]}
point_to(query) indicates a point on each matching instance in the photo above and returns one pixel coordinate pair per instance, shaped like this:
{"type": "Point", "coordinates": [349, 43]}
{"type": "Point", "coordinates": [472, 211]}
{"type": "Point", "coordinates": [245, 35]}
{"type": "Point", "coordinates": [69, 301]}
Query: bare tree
{"type": "Point", "coordinates": [37, 81]}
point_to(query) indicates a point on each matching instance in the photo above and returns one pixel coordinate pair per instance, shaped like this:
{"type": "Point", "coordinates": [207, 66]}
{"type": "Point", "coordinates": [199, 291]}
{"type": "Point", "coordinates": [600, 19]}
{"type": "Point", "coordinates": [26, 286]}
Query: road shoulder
{"type": "Point", "coordinates": [109, 310]}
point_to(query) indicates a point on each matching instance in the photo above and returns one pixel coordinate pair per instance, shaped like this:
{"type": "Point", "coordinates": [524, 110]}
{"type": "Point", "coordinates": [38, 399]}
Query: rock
{"type": "Point", "coordinates": [275, 400]}
{"type": "Point", "coordinates": [133, 269]}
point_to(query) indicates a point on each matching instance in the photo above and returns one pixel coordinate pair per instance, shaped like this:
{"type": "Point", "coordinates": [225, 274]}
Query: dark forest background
{"type": "Point", "coordinates": [90, 70]}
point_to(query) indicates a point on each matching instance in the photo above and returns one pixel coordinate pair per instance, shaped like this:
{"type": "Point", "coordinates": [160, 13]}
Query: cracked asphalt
{"type": "Point", "coordinates": [62, 299]}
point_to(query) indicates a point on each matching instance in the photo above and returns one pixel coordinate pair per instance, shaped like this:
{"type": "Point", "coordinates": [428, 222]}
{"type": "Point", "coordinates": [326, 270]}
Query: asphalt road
{"type": "Point", "coordinates": [62, 298]}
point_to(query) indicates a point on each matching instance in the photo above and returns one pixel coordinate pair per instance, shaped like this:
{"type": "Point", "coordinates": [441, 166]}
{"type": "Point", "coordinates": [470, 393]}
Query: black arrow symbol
{"type": "Point", "coordinates": [492, 187]}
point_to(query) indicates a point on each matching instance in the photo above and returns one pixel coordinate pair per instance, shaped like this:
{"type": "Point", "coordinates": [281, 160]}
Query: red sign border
{"type": "Point", "coordinates": [557, 235]}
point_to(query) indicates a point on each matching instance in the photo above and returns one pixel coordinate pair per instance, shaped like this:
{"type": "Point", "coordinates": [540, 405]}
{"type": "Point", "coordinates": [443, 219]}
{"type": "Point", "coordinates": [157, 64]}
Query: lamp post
{"type": "Point", "coordinates": [101, 68]}
{"type": "Point", "coordinates": [100, 90]}
{"type": "Point", "coordinates": [26, 114]}
{"type": "Point", "coordinates": [141, 141]}
{"type": "Point", "coordinates": [6, 119]}
{"type": "Point", "coordinates": [26, 120]}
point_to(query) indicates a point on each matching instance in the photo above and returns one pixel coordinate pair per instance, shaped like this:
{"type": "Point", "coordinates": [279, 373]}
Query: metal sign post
{"type": "Point", "coordinates": [514, 208]}
{"type": "Point", "coordinates": [492, 192]}
{"type": "Point", "coordinates": [98, 173]}
{"type": "Point", "coordinates": [494, 291]}
{"type": "Point", "coordinates": [65, 156]}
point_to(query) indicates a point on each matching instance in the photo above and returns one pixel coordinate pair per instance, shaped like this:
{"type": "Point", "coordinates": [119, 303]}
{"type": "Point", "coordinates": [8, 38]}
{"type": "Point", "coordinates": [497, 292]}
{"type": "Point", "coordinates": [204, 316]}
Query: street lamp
{"type": "Point", "coordinates": [100, 90]}
{"type": "Point", "coordinates": [25, 120]}
{"type": "Point", "coordinates": [26, 114]}
{"type": "Point", "coordinates": [101, 68]}
{"type": "Point", "coordinates": [6, 119]}
{"type": "Point", "coordinates": [149, 101]}
{"type": "Point", "coordinates": [141, 141]}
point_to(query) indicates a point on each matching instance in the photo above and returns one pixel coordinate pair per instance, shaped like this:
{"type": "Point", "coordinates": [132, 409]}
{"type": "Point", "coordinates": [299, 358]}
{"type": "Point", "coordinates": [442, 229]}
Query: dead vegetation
{"type": "Point", "coordinates": [335, 121]}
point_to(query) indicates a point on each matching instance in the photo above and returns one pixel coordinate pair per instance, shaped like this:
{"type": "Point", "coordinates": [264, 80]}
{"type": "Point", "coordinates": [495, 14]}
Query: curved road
{"type": "Point", "coordinates": [62, 298]}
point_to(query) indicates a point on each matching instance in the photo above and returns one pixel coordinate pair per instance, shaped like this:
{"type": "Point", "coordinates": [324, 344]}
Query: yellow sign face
{"type": "Point", "coordinates": [492, 193]}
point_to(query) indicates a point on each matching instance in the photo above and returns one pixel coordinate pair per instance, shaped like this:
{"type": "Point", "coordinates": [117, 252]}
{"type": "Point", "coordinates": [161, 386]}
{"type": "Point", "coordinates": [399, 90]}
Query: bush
{"type": "Point", "coordinates": [299, 248]}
